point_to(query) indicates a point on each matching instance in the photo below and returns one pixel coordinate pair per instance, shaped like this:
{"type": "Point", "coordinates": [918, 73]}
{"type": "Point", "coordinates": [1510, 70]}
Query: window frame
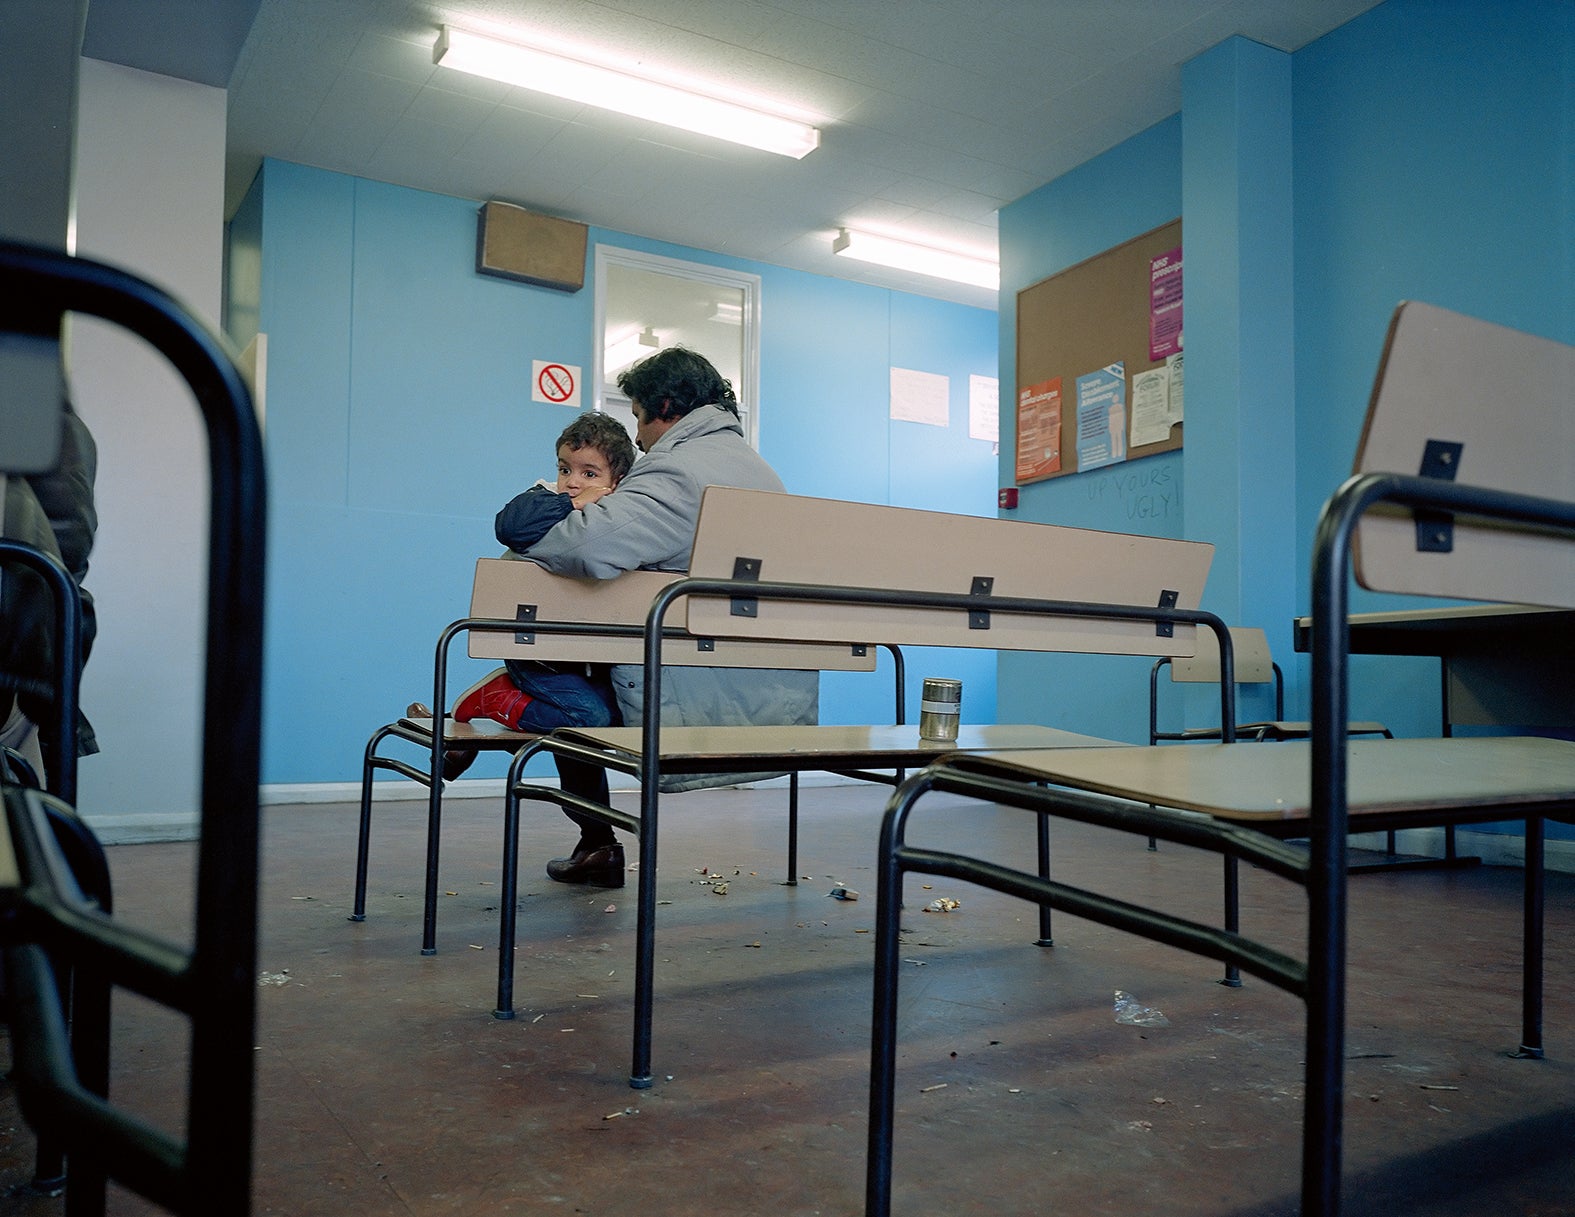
{"type": "Point", "coordinates": [609, 399]}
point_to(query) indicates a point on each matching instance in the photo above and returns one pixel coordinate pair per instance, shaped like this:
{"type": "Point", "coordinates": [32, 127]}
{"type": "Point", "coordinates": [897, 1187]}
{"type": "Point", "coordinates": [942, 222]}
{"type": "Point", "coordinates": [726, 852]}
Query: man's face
{"type": "Point", "coordinates": [648, 430]}
{"type": "Point", "coordinates": [581, 468]}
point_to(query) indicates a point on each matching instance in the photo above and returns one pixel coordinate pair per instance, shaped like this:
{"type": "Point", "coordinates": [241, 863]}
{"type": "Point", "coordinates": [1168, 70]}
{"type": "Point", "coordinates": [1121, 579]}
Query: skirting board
{"type": "Point", "coordinates": [182, 826]}
{"type": "Point", "coordinates": [1495, 849]}
{"type": "Point", "coordinates": [476, 788]}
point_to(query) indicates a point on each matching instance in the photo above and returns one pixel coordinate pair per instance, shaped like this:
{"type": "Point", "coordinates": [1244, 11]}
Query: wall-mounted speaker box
{"type": "Point", "coordinates": [513, 243]}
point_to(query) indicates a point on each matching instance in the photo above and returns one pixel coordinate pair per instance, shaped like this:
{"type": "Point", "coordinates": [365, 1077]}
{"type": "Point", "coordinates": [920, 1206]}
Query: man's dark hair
{"type": "Point", "coordinates": [604, 433]}
{"type": "Point", "coordinates": [675, 381]}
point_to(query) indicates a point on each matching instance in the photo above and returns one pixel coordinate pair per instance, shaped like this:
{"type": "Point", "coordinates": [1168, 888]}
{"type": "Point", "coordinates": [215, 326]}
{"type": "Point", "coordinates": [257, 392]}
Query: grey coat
{"type": "Point", "coordinates": [53, 512]}
{"type": "Point", "coordinates": [649, 523]}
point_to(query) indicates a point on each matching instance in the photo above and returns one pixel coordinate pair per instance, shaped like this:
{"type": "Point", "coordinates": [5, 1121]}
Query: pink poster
{"type": "Point", "coordinates": [1164, 305]}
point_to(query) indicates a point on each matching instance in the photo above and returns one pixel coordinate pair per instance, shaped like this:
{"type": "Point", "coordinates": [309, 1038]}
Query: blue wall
{"type": "Point", "coordinates": [399, 419]}
{"type": "Point", "coordinates": [1430, 152]}
{"type": "Point", "coordinates": [1422, 150]}
{"type": "Point", "coordinates": [1129, 190]}
{"type": "Point", "coordinates": [1435, 160]}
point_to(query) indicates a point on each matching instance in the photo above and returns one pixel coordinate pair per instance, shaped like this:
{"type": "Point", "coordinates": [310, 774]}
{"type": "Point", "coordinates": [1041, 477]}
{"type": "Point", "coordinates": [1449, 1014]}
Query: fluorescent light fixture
{"type": "Point", "coordinates": [923, 259]}
{"type": "Point", "coordinates": [618, 355]}
{"type": "Point", "coordinates": [578, 80]}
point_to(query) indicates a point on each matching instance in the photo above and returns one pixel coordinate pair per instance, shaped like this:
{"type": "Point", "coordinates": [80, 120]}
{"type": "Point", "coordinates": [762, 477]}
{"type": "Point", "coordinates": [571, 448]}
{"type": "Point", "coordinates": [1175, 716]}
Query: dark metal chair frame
{"type": "Point", "coordinates": [87, 1004]}
{"type": "Point", "coordinates": [436, 741]}
{"type": "Point", "coordinates": [650, 766]}
{"type": "Point", "coordinates": [1318, 979]}
{"type": "Point", "coordinates": [47, 923]}
{"type": "Point", "coordinates": [1278, 730]}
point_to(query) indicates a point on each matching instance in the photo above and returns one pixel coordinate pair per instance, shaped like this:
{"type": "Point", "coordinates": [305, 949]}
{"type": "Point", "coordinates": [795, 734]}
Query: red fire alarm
{"type": "Point", "coordinates": [1008, 498]}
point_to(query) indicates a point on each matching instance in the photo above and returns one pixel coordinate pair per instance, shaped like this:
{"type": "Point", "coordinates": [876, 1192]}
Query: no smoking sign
{"type": "Point", "coordinates": [557, 384]}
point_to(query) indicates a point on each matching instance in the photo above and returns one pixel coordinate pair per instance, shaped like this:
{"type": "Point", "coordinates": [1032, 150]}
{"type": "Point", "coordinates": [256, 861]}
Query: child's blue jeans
{"type": "Point", "coordinates": [578, 695]}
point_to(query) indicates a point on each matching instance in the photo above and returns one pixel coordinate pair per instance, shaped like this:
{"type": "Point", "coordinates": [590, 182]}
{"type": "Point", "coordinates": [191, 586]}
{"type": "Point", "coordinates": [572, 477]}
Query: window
{"type": "Point", "coordinates": [645, 302]}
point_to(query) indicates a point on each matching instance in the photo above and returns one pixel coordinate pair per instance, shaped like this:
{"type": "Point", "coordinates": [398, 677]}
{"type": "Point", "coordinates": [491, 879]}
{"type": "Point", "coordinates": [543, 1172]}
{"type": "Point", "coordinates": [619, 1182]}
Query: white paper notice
{"type": "Point", "coordinates": [984, 408]}
{"type": "Point", "coordinates": [920, 397]}
{"type": "Point", "coordinates": [1173, 363]}
{"type": "Point", "coordinates": [1150, 407]}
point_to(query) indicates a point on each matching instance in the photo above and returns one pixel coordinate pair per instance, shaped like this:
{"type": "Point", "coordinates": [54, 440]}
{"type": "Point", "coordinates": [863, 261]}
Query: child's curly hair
{"type": "Point", "coordinates": [604, 433]}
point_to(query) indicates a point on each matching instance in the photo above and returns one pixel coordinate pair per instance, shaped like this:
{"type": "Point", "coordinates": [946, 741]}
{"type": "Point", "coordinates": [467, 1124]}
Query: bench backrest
{"type": "Point", "coordinates": [513, 590]}
{"type": "Point", "coordinates": [827, 542]}
{"type": "Point", "coordinates": [1252, 662]}
{"type": "Point", "coordinates": [1508, 400]}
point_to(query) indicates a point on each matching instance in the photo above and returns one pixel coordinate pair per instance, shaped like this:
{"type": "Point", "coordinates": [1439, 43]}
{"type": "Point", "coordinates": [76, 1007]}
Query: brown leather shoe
{"type": "Point", "coordinates": [601, 866]}
{"type": "Point", "coordinates": [457, 760]}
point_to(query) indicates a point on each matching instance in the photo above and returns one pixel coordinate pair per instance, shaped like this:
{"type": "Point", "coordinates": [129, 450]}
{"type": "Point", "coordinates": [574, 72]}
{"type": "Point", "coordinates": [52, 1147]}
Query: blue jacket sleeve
{"type": "Point", "coordinates": [528, 517]}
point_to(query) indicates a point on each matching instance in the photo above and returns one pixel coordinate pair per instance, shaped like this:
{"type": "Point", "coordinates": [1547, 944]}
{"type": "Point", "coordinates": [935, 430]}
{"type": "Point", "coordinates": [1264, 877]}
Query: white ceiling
{"type": "Point", "coordinates": [934, 113]}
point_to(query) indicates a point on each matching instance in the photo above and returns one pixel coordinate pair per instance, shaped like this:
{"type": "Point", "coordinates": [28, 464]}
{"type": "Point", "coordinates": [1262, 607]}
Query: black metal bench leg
{"type": "Point", "coordinates": [363, 848]}
{"type": "Point", "coordinates": [1321, 1116]}
{"type": "Point", "coordinates": [508, 901]}
{"type": "Point", "coordinates": [640, 1077]}
{"type": "Point", "coordinates": [429, 906]}
{"type": "Point", "coordinates": [87, 1185]}
{"type": "Point", "coordinates": [49, 1157]}
{"type": "Point", "coordinates": [792, 857]}
{"type": "Point", "coordinates": [1232, 977]}
{"type": "Point", "coordinates": [1532, 946]}
{"type": "Point", "coordinates": [1322, 1113]}
{"type": "Point", "coordinates": [883, 1040]}
{"type": "Point", "coordinates": [1043, 833]}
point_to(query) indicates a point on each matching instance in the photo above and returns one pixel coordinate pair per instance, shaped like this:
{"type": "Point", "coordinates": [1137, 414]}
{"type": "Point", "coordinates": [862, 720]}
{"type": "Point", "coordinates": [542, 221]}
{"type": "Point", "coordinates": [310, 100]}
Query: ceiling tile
{"type": "Point", "coordinates": [934, 113]}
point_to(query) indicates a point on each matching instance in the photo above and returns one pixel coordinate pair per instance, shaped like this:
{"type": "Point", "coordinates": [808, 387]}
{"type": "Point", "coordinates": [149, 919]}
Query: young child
{"type": "Point", "coordinates": [594, 452]}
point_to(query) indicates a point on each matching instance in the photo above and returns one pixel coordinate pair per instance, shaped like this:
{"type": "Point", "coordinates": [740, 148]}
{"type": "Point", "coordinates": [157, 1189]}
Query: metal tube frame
{"type": "Point", "coordinates": [433, 744]}
{"type": "Point", "coordinates": [648, 766]}
{"type": "Point", "coordinates": [1320, 979]}
{"type": "Point", "coordinates": [89, 1006]}
{"type": "Point", "coordinates": [215, 982]}
{"type": "Point", "coordinates": [648, 774]}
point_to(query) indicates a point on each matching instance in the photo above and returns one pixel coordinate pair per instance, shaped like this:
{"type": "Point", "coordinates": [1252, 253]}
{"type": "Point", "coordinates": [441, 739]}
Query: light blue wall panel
{"type": "Point", "coordinates": [243, 270]}
{"type": "Point", "coordinates": [1434, 145]}
{"type": "Point", "coordinates": [823, 423]}
{"type": "Point", "coordinates": [1240, 434]}
{"type": "Point", "coordinates": [1435, 141]}
{"type": "Point", "coordinates": [943, 468]}
{"type": "Point", "coordinates": [441, 365]}
{"type": "Point", "coordinates": [307, 278]}
{"type": "Point", "coordinates": [1129, 190]}
{"type": "Point", "coordinates": [1236, 190]}
{"type": "Point", "coordinates": [1433, 155]}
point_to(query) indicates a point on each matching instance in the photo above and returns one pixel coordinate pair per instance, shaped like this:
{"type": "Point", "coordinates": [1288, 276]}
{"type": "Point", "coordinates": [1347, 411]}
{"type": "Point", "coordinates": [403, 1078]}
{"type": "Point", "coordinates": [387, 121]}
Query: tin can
{"type": "Point", "coordinates": [940, 709]}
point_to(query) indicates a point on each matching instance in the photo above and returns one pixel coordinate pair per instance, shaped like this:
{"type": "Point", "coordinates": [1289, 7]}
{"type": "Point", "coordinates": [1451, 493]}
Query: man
{"type": "Point", "coordinates": [687, 424]}
{"type": "Point", "coordinates": [53, 512]}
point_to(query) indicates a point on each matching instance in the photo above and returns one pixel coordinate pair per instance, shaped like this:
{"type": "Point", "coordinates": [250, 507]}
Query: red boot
{"type": "Point", "coordinates": [494, 697]}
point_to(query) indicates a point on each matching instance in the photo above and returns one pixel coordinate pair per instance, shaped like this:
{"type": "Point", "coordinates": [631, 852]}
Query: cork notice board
{"type": "Point", "coordinates": [1099, 364]}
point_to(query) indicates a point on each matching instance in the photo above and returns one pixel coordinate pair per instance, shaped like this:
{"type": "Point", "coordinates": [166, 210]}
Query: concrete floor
{"type": "Point", "coordinates": [386, 1087]}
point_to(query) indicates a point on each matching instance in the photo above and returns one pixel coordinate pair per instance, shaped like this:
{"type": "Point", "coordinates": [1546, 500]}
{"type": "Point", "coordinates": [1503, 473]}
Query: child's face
{"type": "Point", "coordinates": [581, 468]}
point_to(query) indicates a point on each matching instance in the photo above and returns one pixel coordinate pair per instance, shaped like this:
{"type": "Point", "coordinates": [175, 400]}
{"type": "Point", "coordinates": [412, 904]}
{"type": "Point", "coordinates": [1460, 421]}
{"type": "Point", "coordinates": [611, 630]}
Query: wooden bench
{"type": "Point", "coordinates": [1452, 394]}
{"type": "Point", "coordinates": [520, 611]}
{"type": "Point", "coordinates": [1254, 665]}
{"type": "Point", "coordinates": [779, 567]}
